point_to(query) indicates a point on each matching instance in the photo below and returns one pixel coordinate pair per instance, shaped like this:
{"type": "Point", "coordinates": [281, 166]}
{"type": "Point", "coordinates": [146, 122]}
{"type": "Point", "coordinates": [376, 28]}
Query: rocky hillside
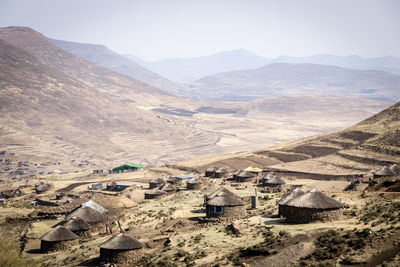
{"type": "Point", "coordinates": [284, 79]}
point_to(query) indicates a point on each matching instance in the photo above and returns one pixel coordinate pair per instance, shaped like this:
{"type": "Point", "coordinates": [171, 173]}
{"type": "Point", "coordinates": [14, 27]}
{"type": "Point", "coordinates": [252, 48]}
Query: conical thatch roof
{"type": "Point", "coordinates": [212, 169]}
{"type": "Point", "coordinates": [314, 200]}
{"type": "Point", "coordinates": [60, 233]}
{"type": "Point", "coordinates": [87, 214]}
{"type": "Point", "coordinates": [168, 188]}
{"type": "Point", "coordinates": [122, 242]}
{"type": "Point", "coordinates": [245, 174]}
{"type": "Point", "coordinates": [195, 180]}
{"type": "Point", "coordinates": [295, 193]}
{"type": "Point", "coordinates": [221, 171]}
{"type": "Point", "coordinates": [217, 190]}
{"type": "Point", "coordinates": [224, 197]}
{"type": "Point", "coordinates": [171, 180]}
{"type": "Point", "coordinates": [158, 181]}
{"type": "Point", "coordinates": [275, 180]}
{"type": "Point", "coordinates": [112, 183]}
{"type": "Point", "coordinates": [155, 192]}
{"type": "Point", "coordinates": [77, 224]}
{"type": "Point", "coordinates": [42, 186]}
{"type": "Point", "coordinates": [93, 205]}
{"type": "Point", "coordinates": [253, 169]}
{"type": "Point", "coordinates": [394, 168]}
{"type": "Point", "coordinates": [385, 171]}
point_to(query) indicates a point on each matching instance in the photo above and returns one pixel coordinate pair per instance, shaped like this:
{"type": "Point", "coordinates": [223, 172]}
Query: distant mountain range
{"type": "Point", "coordinates": [187, 70]}
{"type": "Point", "coordinates": [281, 79]}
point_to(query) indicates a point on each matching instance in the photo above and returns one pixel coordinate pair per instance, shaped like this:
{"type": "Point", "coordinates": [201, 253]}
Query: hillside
{"type": "Point", "coordinates": [186, 70]}
{"type": "Point", "coordinates": [101, 55]}
{"type": "Point", "coordinates": [366, 146]}
{"type": "Point", "coordinates": [284, 79]}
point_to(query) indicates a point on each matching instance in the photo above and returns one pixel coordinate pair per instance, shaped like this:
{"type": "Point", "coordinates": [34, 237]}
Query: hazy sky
{"type": "Point", "coordinates": [155, 29]}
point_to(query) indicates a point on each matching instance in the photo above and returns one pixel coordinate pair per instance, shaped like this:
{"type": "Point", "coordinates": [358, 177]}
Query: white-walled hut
{"type": "Point", "coordinates": [281, 203]}
{"type": "Point", "coordinates": [244, 176]}
{"type": "Point", "coordinates": [89, 215]}
{"type": "Point", "coordinates": [121, 248]}
{"type": "Point", "coordinates": [156, 183]}
{"type": "Point", "coordinates": [78, 226]}
{"type": "Point", "coordinates": [312, 206]}
{"type": "Point", "coordinates": [60, 238]}
{"type": "Point", "coordinates": [223, 203]}
{"type": "Point", "coordinates": [194, 184]}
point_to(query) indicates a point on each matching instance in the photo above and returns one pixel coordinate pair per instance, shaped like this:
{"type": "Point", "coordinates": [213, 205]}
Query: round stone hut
{"type": "Point", "coordinates": [281, 203]}
{"type": "Point", "coordinates": [384, 172]}
{"type": "Point", "coordinates": [42, 187]}
{"type": "Point", "coordinates": [154, 194]}
{"type": "Point", "coordinates": [60, 238]}
{"type": "Point", "coordinates": [221, 173]}
{"type": "Point", "coordinates": [89, 215]}
{"type": "Point", "coordinates": [121, 248]}
{"type": "Point", "coordinates": [312, 206]}
{"type": "Point", "coordinates": [244, 176]}
{"type": "Point", "coordinates": [78, 226]}
{"type": "Point", "coordinates": [223, 203]}
{"type": "Point", "coordinates": [194, 184]}
{"type": "Point", "coordinates": [168, 188]}
{"type": "Point", "coordinates": [274, 184]}
{"type": "Point", "coordinates": [210, 172]}
{"type": "Point", "coordinates": [156, 183]}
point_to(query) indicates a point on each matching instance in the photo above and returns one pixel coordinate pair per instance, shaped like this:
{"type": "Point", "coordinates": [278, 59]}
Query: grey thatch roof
{"type": "Point", "coordinates": [76, 224]}
{"type": "Point", "coordinates": [87, 214]}
{"type": "Point", "coordinates": [275, 180]}
{"type": "Point", "coordinates": [155, 192]}
{"type": "Point", "coordinates": [122, 242]}
{"type": "Point", "coordinates": [195, 180]}
{"type": "Point", "coordinates": [385, 171]}
{"type": "Point", "coordinates": [245, 174]}
{"type": "Point", "coordinates": [158, 181]}
{"type": "Point", "coordinates": [112, 183]}
{"type": "Point", "coordinates": [42, 186]}
{"type": "Point", "coordinates": [224, 197]}
{"type": "Point", "coordinates": [314, 200]}
{"type": "Point", "coordinates": [168, 188]}
{"type": "Point", "coordinates": [93, 205]}
{"type": "Point", "coordinates": [295, 193]}
{"type": "Point", "coordinates": [395, 168]}
{"type": "Point", "coordinates": [221, 171]}
{"type": "Point", "coordinates": [212, 169]}
{"type": "Point", "coordinates": [60, 233]}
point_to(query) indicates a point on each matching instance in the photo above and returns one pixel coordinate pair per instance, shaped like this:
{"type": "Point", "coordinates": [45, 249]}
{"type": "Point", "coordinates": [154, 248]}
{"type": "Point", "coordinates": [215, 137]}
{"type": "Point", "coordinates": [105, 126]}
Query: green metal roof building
{"type": "Point", "coordinates": [128, 166]}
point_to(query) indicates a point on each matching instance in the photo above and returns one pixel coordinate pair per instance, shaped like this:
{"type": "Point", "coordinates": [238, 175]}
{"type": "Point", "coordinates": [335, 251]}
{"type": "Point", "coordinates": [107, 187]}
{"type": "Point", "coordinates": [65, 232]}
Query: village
{"type": "Point", "coordinates": [169, 215]}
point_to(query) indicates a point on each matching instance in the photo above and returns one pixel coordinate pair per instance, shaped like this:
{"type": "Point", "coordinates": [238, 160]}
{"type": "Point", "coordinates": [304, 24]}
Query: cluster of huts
{"type": "Point", "coordinates": [160, 187]}
{"type": "Point", "coordinates": [78, 225]}
{"type": "Point", "coordinates": [386, 171]}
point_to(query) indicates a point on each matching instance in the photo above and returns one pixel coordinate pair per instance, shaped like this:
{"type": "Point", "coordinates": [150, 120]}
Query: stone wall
{"type": "Point", "coordinates": [155, 185]}
{"type": "Point", "coordinates": [151, 196]}
{"type": "Point", "coordinates": [191, 186]}
{"type": "Point", "coordinates": [231, 212]}
{"type": "Point", "coordinates": [121, 256]}
{"type": "Point", "coordinates": [47, 246]}
{"type": "Point", "coordinates": [305, 215]}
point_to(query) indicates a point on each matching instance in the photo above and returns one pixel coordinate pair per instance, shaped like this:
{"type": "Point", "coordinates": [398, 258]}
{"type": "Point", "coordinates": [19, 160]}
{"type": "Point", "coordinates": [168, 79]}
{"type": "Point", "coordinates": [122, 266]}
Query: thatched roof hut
{"type": "Point", "coordinates": [254, 170]}
{"type": "Point", "coordinates": [111, 185]}
{"type": "Point", "coordinates": [220, 173]}
{"type": "Point", "coordinates": [244, 176]}
{"type": "Point", "coordinates": [156, 183]}
{"type": "Point", "coordinates": [274, 181]}
{"type": "Point", "coordinates": [194, 184]}
{"type": "Point", "coordinates": [121, 248]}
{"type": "Point", "coordinates": [89, 215]}
{"type": "Point", "coordinates": [312, 206]}
{"type": "Point", "coordinates": [295, 193]}
{"type": "Point", "coordinates": [224, 203]}
{"type": "Point", "coordinates": [169, 188]}
{"type": "Point", "coordinates": [78, 226]}
{"type": "Point", "coordinates": [93, 205]}
{"type": "Point", "coordinates": [394, 168]}
{"type": "Point", "coordinates": [384, 172]}
{"type": "Point", "coordinates": [210, 172]}
{"type": "Point", "coordinates": [154, 194]}
{"type": "Point", "coordinates": [60, 238]}
{"type": "Point", "coordinates": [42, 187]}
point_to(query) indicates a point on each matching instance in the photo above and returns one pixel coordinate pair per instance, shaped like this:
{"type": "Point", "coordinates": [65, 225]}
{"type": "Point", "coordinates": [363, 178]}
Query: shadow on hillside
{"type": "Point", "coordinates": [33, 251]}
{"type": "Point", "coordinates": [90, 262]}
{"type": "Point", "coordinates": [198, 211]}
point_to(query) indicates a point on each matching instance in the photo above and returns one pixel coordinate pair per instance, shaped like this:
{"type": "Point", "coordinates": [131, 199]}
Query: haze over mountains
{"type": "Point", "coordinates": [57, 105]}
{"type": "Point", "coordinates": [188, 70]}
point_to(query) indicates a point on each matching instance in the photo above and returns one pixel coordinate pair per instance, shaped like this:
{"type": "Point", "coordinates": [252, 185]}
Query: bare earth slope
{"type": "Point", "coordinates": [368, 145]}
{"type": "Point", "coordinates": [283, 79]}
{"type": "Point", "coordinates": [106, 58]}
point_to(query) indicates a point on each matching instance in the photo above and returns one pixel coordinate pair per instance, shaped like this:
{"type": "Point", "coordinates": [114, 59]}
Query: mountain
{"type": "Point", "coordinates": [280, 79]}
{"type": "Point", "coordinates": [56, 105]}
{"type": "Point", "coordinates": [366, 146]}
{"type": "Point", "coordinates": [101, 55]}
{"type": "Point", "coordinates": [186, 70]}
{"type": "Point", "coordinates": [388, 63]}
